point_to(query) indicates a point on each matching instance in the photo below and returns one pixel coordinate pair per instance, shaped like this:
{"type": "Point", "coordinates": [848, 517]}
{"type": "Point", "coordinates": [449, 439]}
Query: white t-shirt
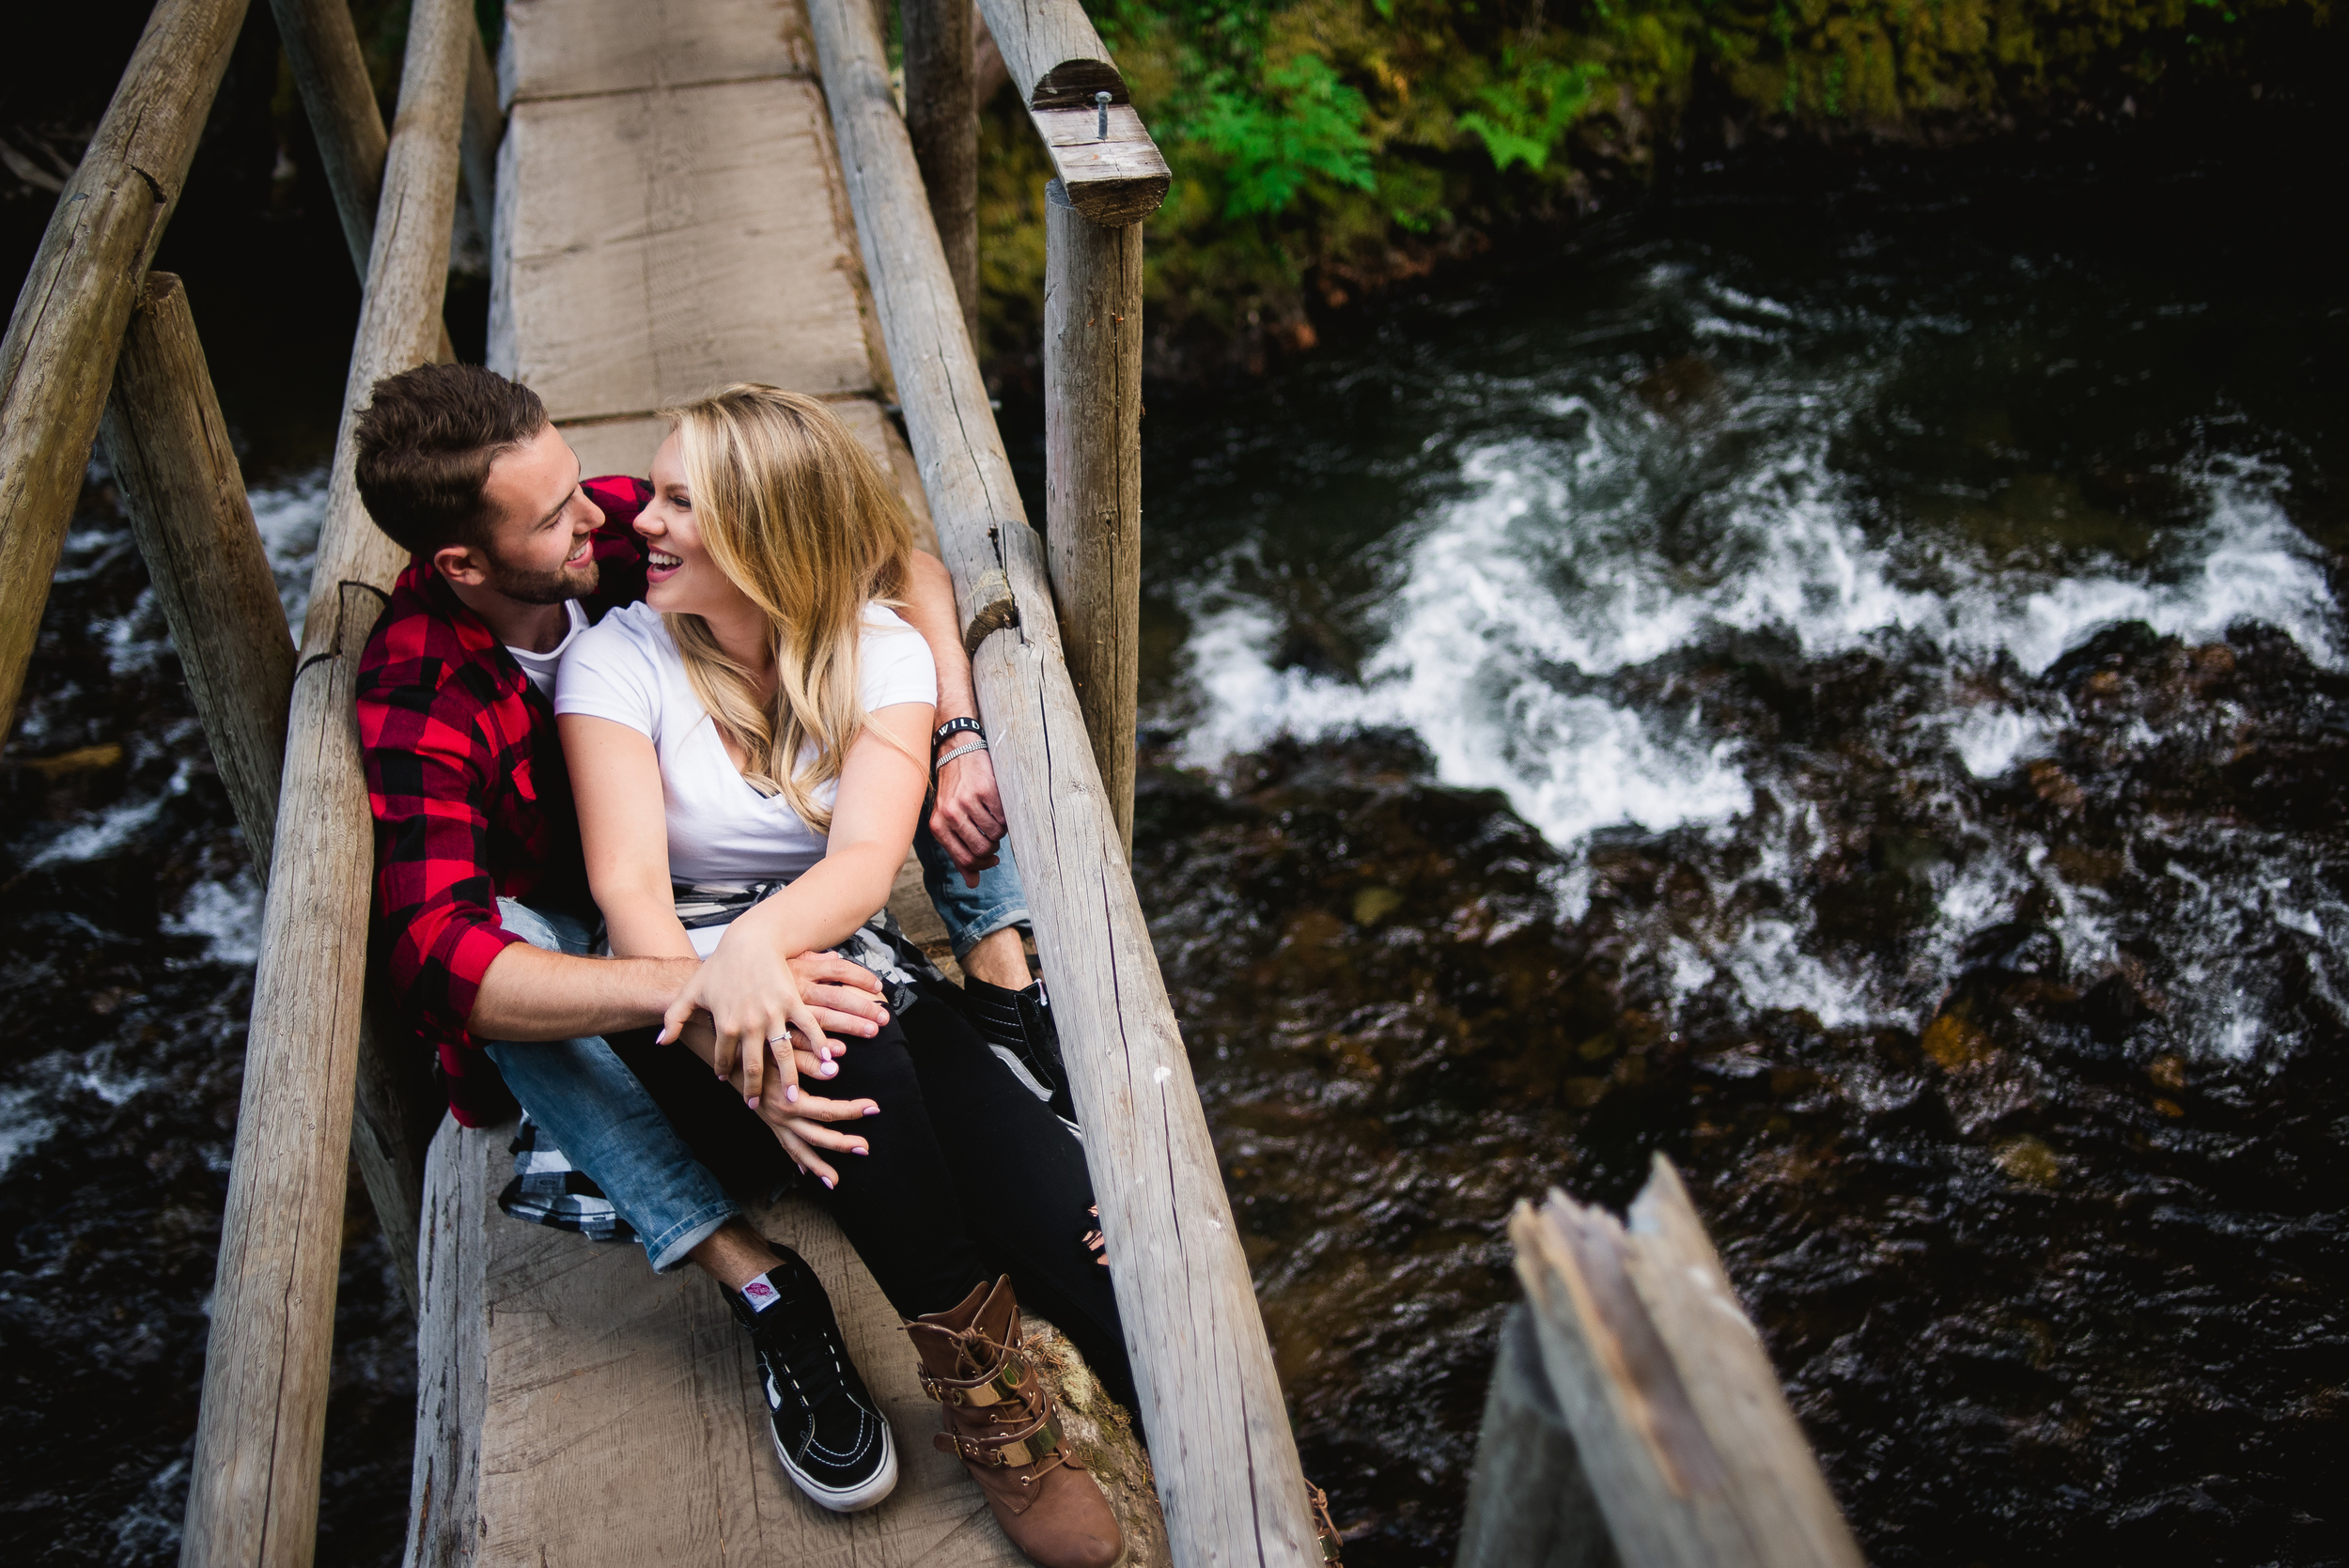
{"type": "Point", "coordinates": [628, 668]}
{"type": "Point", "coordinates": [540, 667]}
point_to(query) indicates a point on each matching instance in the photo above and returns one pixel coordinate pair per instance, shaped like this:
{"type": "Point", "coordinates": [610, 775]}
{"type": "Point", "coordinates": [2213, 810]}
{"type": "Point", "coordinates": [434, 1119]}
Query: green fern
{"type": "Point", "coordinates": [1525, 113]}
{"type": "Point", "coordinates": [1304, 123]}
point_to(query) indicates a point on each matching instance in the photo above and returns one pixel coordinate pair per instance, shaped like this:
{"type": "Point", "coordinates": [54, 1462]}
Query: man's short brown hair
{"type": "Point", "coordinates": [426, 442]}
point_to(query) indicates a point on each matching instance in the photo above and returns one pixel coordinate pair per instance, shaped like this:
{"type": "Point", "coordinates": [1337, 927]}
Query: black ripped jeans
{"type": "Point", "coordinates": [969, 1174]}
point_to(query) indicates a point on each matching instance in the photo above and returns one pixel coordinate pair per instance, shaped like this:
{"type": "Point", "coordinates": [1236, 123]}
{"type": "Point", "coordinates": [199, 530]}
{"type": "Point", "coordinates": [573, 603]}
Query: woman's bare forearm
{"type": "Point", "coordinates": [830, 900]}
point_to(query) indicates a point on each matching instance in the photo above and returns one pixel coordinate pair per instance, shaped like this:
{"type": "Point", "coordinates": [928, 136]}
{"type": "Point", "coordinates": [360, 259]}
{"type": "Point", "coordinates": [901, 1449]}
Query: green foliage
{"type": "Point", "coordinates": [1303, 122]}
{"type": "Point", "coordinates": [1522, 116]}
{"type": "Point", "coordinates": [1331, 146]}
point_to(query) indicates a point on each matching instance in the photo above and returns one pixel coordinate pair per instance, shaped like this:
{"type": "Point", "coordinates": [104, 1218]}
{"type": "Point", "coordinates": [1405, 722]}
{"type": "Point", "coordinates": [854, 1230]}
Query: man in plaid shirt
{"type": "Point", "coordinates": [481, 894]}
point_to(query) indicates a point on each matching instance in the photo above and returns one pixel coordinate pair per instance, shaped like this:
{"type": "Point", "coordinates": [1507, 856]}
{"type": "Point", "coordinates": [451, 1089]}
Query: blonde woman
{"type": "Point", "coordinates": [746, 749]}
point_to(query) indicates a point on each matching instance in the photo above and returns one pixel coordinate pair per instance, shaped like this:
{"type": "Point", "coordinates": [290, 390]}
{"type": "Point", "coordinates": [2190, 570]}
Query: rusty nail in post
{"type": "Point", "coordinates": [1101, 108]}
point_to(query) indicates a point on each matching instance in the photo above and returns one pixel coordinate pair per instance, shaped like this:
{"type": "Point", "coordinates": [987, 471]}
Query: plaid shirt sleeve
{"type": "Point", "coordinates": [429, 770]}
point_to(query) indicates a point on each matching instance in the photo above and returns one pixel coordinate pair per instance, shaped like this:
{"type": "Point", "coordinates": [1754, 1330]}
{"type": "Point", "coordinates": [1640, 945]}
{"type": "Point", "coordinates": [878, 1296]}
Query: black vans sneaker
{"type": "Point", "coordinates": [1018, 1027]}
{"type": "Point", "coordinates": [830, 1434]}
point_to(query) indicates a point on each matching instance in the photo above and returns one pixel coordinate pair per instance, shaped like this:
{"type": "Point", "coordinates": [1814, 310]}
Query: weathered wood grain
{"type": "Point", "coordinates": [331, 73]}
{"type": "Point", "coordinates": [1057, 61]}
{"type": "Point", "coordinates": [1225, 1456]}
{"type": "Point", "coordinates": [1114, 179]}
{"type": "Point", "coordinates": [942, 119]}
{"type": "Point", "coordinates": [321, 46]}
{"type": "Point", "coordinates": [1093, 475]}
{"type": "Point", "coordinates": [1681, 1429]}
{"type": "Point", "coordinates": [1771, 1471]}
{"type": "Point", "coordinates": [462, 1175]}
{"type": "Point", "coordinates": [1529, 1505]}
{"type": "Point", "coordinates": [253, 1483]}
{"type": "Point", "coordinates": [581, 1409]}
{"type": "Point", "coordinates": [58, 357]}
{"type": "Point", "coordinates": [578, 48]}
{"type": "Point", "coordinates": [168, 447]}
{"type": "Point", "coordinates": [657, 243]}
{"type": "Point", "coordinates": [485, 129]}
{"type": "Point", "coordinates": [1053, 53]}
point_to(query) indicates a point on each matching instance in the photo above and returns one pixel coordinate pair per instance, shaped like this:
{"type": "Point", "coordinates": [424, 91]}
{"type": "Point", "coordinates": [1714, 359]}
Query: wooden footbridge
{"type": "Point", "coordinates": [685, 192]}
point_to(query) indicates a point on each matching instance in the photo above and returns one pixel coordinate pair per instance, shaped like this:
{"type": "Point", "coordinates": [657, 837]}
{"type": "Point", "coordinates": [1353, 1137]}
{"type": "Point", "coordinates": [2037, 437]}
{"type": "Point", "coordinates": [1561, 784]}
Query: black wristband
{"type": "Point", "coordinates": [951, 727]}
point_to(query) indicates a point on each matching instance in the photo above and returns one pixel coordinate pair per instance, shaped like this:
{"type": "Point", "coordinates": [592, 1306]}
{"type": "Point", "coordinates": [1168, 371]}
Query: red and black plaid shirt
{"type": "Point", "coordinates": [471, 802]}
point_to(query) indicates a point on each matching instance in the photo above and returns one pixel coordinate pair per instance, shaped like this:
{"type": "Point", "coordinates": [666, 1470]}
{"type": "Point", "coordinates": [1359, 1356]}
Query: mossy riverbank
{"type": "Point", "coordinates": [1327, 149]}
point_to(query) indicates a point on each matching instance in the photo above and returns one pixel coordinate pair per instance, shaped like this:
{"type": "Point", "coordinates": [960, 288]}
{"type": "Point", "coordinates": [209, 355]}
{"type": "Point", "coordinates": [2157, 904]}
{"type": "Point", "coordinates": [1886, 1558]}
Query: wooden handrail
{"type": "Point", "coordinates": [58, 357]}
{"type": "Point", "coordinates": [1113, 171]}
{"type": "Point", "coordinates": [253, 1488]}
{"type": "Point", "coordinates": [1679, 1429]}
{"type": "Point", "coordinates": [1220, 1441]}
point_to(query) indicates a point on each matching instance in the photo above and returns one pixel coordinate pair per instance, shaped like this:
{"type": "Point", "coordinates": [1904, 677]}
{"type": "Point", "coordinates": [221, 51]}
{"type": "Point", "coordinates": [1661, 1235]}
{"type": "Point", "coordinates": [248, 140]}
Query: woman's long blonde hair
{"type": "Point", "coordinates": [794, 510]}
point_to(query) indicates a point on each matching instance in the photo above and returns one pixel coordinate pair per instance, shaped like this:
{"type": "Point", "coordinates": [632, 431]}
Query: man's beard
{"type": "Point", "coordinates": [543, 587]}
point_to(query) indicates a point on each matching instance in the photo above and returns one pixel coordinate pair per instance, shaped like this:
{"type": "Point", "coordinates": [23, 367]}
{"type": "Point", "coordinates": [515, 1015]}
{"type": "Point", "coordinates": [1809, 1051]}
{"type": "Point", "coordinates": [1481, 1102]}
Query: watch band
{"type": "Point", "coordinates": [952, 727]}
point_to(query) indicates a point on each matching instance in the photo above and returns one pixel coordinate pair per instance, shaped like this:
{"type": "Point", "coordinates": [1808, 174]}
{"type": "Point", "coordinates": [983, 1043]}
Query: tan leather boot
{"type": "Point", "coordinates": [1006, 1426]}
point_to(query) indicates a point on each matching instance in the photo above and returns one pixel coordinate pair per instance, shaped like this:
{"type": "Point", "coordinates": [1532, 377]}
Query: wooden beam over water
{"type": "Point", "coordinates": [168, 447]}
{"type": "Point", "coordinates": [58, 357]}
{"type": "Point", "coordinates": [253, 1493]}
{"type": "Point", "coordinates": [1220, 1440]}
{"type": "Point", "coordinates": [1679, 1428]}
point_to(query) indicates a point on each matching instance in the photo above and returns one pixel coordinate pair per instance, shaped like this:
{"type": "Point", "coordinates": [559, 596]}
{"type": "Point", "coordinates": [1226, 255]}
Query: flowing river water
{"type": "Point", "coordinates": [1838, 677]}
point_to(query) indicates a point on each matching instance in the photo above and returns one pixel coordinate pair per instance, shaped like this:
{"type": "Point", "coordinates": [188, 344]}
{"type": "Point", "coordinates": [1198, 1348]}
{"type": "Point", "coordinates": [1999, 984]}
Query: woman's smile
{"type": "Point", "coordinates": [660, 565]}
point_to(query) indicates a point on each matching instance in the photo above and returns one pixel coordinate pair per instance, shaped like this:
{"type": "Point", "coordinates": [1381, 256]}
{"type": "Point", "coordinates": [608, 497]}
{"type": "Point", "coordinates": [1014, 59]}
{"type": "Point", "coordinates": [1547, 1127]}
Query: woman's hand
{"type": "Point", "coordinates": [753, 1002]}
{"type": "Point", "coordinates": [807, 1124]}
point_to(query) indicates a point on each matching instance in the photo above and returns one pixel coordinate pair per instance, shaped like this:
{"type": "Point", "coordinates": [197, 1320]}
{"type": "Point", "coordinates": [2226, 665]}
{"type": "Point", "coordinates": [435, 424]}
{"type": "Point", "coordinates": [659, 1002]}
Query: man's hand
{"type": "Point", "coordinates": [968, 818]}
{"type": "Point", "coordinates": [845, 997]}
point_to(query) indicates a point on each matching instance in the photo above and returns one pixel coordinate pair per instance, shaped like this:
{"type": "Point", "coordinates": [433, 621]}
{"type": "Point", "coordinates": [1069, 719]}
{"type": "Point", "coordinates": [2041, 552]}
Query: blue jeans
{"type": "Point", "coordinates": [971, 913]}
{"type": "Point", "coordinates": [592, 1108]}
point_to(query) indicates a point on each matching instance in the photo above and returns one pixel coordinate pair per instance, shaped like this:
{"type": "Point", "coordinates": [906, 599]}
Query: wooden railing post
{"type": "Point", "coordinates": [485, 128]}
{"type": "Point", "coordinates": [253, 1489]}
{"type": "Point", "coordinates": [1677, 1421]}
{"type": "Point", "coordinates": [331, 72]}
{"type": "Point", "coordinates": [1221, 1442]}
{"type": "Point", "coordinates": [168, 447]}
{"type": "Point", "coordinates": [943, 118]}
{"type": "Point", "coordinates": [321, 44]}
{"type": "Point", "coordinates": [1530, 1504]}
{"type": "Point", "coordinates": [58, 357]}
{"type": "Point", "coordinates": [1093, 475]}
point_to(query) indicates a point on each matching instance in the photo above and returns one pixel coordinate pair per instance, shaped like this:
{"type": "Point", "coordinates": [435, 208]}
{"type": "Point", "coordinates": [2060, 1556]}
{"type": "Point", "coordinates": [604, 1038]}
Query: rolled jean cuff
{"type": "Point", "coordinates": [671, 1248]}
{"type": "Point", "coordinates": [970, 914]}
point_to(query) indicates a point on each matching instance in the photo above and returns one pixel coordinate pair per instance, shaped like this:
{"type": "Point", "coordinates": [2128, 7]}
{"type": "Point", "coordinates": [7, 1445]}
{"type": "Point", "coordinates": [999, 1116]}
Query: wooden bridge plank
{"type": "Point", "coordinates": [615, 1414]}
{"type": "Point", "coordinates": [571, 47]}
{"type": "Point", "coordinates": [652, 240]}
{"type": "Point", "coordinates": [657, 243]}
